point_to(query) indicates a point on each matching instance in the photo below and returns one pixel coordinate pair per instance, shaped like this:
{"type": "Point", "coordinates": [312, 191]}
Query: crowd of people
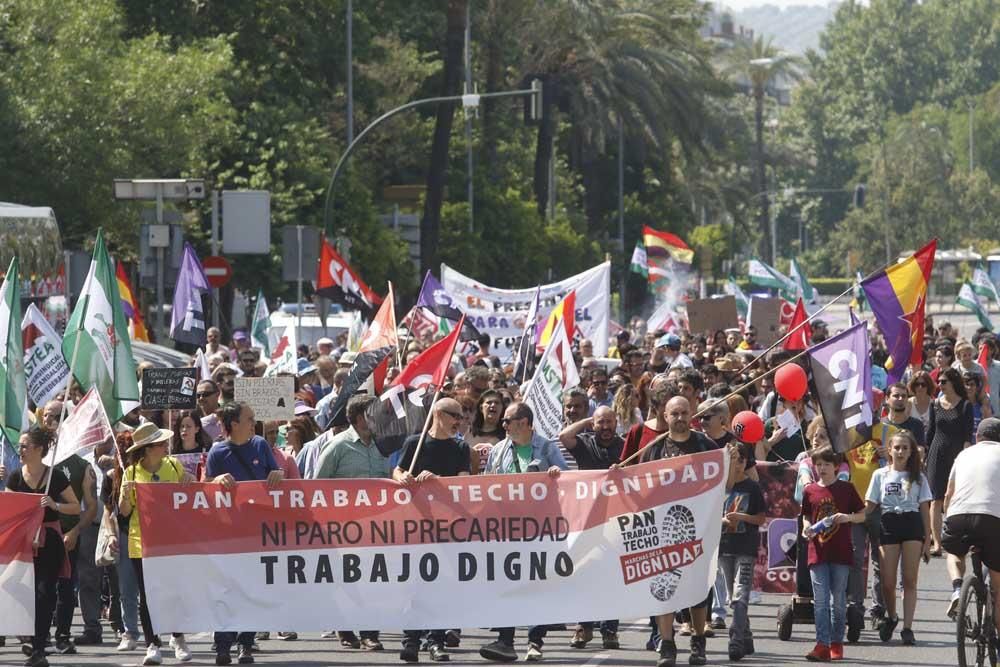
{"type": "Point", "coordinates": [881, 507]}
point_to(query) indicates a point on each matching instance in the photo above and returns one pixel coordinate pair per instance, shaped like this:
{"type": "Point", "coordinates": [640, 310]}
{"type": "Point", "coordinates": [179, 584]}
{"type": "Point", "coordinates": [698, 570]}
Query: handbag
{"type": "Point", "coordinates": [103, 555]}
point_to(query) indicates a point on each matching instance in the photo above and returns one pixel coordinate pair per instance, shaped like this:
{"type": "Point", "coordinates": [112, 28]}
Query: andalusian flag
{"type": "Point", "coordinates": [983, 286]}
{"type": "Point", "coordinates": [898, 296]}
{"type": "Point", "coordinates": [564, 313]}
{"type": "Point", "coordinates": [13, 386]}
{"type": "Point", "coordinates": [260, 325]}
{"type": "Point", "coordinates": [764, 275]}
{"type": "Point", "coordinates": [742, 301]}
{"type": "Point", "coordinates": [640, 263]}
{"type": "Point", "coordinates": [858, 300]}
{"type": "Point", "coordinates": [130, 305]}
{"type": "Point", "coordinates": [96, 341]}
{"type": "Point", "coordinates": [806, 290]}
{"type": "Point", "coordinates": [968, 298]}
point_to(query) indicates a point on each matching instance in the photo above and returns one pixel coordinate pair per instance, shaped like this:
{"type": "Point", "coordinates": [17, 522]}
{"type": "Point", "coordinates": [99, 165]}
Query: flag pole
{"type": "Point", "coordinates": [810, 318]}
{"type": "Point", "coordinates": [720, 400]}
{"type": "Point", "coordinates": [423, 433]}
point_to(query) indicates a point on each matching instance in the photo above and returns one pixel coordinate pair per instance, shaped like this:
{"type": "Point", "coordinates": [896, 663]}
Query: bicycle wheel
{"type": "Point", "coordinates": [973, 640]}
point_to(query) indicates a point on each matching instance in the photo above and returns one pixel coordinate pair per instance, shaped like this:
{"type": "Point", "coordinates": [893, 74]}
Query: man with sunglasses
{"type": "Point", "coordinates": [598, 390]}
{"type": "Point", "coordinates": [207, 395]}
{"type": "Point", "coordinates": [442, 454]}
{"type": "Point", "coordinates": [521, 451]}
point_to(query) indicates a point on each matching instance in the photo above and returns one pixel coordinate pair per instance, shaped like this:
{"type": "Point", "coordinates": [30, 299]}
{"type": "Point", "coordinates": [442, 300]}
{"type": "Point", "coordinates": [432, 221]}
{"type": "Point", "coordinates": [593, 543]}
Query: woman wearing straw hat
{"type": "Point", "coordinates": [50, 554]}
{"type": "Point", "coordinates": [150, 464]}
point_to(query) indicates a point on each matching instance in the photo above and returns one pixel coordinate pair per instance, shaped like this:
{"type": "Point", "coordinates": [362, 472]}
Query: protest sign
{"type": "Point", "coordinates": [272, 398]}
{"type": "Point", "coordinates": [501, 312]}
{"type": "Point", "coordinates": [774, 571]}
{"type": "Point", "coordinates": [85, 428]}
{"type": "Point", "coordinates": [708, 315]}
{"type": "Point", "coordinates": [20, 519]}
{"type": "Point", "coordinates": [45, 368]}
{"type": "Point", "coordinates": [595, 544]}
{"type": "Point", "coordinates": [192, 462]}
{"type": "Point", "coordinates": [169, 388]}
{"type": "Point", "coordinates": [556, 372]}
{"type": "Point", "coordinates": [765, 316]}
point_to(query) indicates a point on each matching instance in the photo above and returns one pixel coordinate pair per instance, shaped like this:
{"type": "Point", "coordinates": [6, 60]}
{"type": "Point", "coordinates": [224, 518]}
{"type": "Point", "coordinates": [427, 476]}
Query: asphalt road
{"type": "Point", "coordinates": [934, 633]}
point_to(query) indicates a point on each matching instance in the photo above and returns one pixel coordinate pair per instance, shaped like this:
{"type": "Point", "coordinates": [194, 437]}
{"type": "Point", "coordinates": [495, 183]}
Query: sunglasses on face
{"type": "Point", "coordinates": [453, 415]}
{"type": "Point", "coordinates": [205, 394]}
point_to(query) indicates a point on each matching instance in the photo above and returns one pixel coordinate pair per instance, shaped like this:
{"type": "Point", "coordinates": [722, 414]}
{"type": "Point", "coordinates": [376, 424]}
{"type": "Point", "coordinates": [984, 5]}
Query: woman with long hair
{"type": "Point", "coordinates": [944, 357]}
{"type": "Point", "coordinates": [900, 490]}
{"type": "Point", "coordinates": [189, 437]}
{"type": "Point", "coordinates": [950, 432]}
{"type": "Point", "coordinates": [50, 553]}
{"type": "Point", "coordinates": [486, 428]}
{"type": "Point", "coordinates": [922, 390]}
{"type": "Point", "coordinates": [979, 399]}
{"type": "Point", "coordinates": [150, 465]}
{"type": "Point", "coordinates": [626, 408]}
{"type": "Point", "coordinates": [301, 430]}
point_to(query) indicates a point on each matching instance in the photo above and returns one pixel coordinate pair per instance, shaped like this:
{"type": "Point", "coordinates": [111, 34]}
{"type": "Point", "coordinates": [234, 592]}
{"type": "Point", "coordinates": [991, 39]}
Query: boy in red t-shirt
{"type": "Point", "coordinates": [826, 506]}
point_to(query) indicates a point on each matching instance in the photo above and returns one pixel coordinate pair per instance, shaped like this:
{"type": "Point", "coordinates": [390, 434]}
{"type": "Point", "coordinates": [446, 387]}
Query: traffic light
{"type": "Point", "coordinates": [859, 196]}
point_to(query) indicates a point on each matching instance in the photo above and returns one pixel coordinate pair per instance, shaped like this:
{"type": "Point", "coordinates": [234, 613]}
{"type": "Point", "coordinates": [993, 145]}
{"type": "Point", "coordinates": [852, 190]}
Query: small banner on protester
{"type": "Point", "coordinates": [272, 398]}
{"type": "Point", "coordinates": [710, 315]}
{"type": "Point", "coordinates": [370, 553]}
{"type": "Point", "coordinates": [555, 374]}
{"type": "Point", "coordinates": [169, 388]}
{"type": "Point", "coordinates": [45, 368]}
{"type": "Point", "coordinates": [84, 428]}
{"type": "Point", "coordinates": [775, 568]}
{"type": "Point", "coordinates": [20, 518]}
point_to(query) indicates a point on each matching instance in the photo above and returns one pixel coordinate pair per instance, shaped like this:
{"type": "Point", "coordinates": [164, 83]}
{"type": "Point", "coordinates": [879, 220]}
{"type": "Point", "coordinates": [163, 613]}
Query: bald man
{"type": "Point", "coordinates": [442, 454]}
{"type": "Point", "coordinates": [596, 445]}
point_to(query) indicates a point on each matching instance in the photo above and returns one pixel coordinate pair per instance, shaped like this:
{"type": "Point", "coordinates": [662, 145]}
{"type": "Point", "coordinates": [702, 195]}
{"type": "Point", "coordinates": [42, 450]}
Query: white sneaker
{"type": "Point", "coordinates": [181, 650]}
{"type": "Point", "coordinates": [153, 656]}
{"type": "Point", "coordinates": [953, 603]}
{"type": "Point", "coordinates": [534, 653]}
{"type": "Point", "coordinates": [126, 644]}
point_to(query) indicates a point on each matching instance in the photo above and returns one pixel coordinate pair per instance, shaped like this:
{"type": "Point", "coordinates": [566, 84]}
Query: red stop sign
{"type": "Point", "coordinates": [218, 270]}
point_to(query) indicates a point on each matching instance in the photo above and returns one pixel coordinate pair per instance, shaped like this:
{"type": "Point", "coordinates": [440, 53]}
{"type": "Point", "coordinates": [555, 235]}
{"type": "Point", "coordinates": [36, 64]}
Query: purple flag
{"type": "Point", "coordinates": [842, 374]}
{"type": "Point", "coordinates": [187, 321]}
{"type": "Point", "coordinates": [434, 298]}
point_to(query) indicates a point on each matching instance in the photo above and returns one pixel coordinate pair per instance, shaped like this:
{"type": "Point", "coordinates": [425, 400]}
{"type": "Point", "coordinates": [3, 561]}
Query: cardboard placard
{"type": "Point", "coordinates": [272, 398]}
{"type": "Point", "coordinates": [169, 388]}
{"type": "Point", "coordinates": [708, 315]}
{"type": "Point", "coordinates": [765, 315]}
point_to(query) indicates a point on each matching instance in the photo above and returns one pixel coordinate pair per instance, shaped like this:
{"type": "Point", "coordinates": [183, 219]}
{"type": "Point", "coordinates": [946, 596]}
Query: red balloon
{"type": "Point", "coordinates": [748, 427]}
{"type": "Point", "coordinates": [791, 382]}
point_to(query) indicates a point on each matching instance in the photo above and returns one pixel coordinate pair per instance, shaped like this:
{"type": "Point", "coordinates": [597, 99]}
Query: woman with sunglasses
{"type": "Point", "coordinates": [949, 433]}
{"type": "Point", "coordinates": [50, 553]}
{"type": "Point", "coordinates": [150, 464]}
{"type": "Point", "coordinates": [922, 390]}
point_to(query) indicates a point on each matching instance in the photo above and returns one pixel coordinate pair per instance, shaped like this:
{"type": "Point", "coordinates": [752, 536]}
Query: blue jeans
{"type": "Point", "coordinates": [721, 595]}
{"type": "Point", "coordinates": [829, 582]}
{"type": "Point", "coordinates": [128, 588]}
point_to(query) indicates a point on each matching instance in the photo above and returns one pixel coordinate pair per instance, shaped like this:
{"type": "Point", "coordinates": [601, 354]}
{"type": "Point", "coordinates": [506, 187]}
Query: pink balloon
{"type": "Point", "coordinates": [791, 382]}
{"type": "Point", "coordinates": [748, 427]}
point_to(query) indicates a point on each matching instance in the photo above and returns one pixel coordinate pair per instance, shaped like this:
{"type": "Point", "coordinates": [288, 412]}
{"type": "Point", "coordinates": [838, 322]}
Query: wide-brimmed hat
{"type": "Point", "coordinates": [729, 363]}
{"type": "Point", "coordinates": [147, 434]}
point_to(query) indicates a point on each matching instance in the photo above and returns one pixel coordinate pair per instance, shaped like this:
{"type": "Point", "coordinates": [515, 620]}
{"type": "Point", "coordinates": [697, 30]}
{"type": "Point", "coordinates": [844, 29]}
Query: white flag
{"type": "Point", "coordinates": [284, 358]}
{"type": "Point", "coordinates": [556, 372]}
{"type": "Point", "coordinates": [45, 368]}
{"type": "Point", "coordinates": [201, 363]}
{"type": "Point", "coordinates": [85, 428]}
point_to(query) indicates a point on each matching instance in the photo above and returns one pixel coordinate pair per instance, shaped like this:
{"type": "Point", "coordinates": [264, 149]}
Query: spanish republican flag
{"type": "Point", "coordinates": [662, 244]}
{"type": "Point", "coordinates": [564, 312]}
{"type": "Point", "coordinates": [898, 297]}
{"type": "Point", "coordinates": [130, 305]}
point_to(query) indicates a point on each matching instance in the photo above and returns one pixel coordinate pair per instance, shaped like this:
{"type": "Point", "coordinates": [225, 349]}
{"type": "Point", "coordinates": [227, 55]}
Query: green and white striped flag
{"type": "Point", "coordinates": [13, 385]}
{"type": "Point", "coordinates": [806, 290]}
{"type": "Point", "coordinates": [640, 263]}
{"type": "Point", "coordinates": [96, 341]}
{"type": "Point", "coordinates": [763, 275]}
{"type": "Point", "coordinates": [967, 298]}
{"type": "Point", "coordinates": [983, 286]}
{"type": "Point", "coordinates": [261, 324]}
{"type": "Point", "coordinates": [742, 301]}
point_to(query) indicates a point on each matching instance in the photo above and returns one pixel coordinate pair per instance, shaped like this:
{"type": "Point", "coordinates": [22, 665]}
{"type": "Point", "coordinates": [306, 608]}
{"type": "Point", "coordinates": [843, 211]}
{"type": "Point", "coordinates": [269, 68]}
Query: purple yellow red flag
{"type": "Point", "coordinates": [898, 297]}
{"type": "Point", "coordinates": [130, 304]}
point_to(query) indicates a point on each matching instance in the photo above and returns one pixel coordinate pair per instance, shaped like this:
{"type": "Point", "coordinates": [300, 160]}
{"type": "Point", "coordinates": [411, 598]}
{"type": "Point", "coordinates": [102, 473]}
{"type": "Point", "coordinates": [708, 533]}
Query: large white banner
{"type": "Point", "coordinates": [485, 551]}
{"type": "Point", "coordinates": [501, 312]}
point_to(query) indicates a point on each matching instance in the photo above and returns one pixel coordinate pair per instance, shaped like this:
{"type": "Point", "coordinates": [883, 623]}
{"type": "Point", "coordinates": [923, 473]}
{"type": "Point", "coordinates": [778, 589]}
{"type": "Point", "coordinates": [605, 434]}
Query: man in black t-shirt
{"type": "Point", "coordinates": [595, 445]}
{"type": "Point", "coordinates": [899, 413]}
{"type": "Point", "coordinates": [442, 454]}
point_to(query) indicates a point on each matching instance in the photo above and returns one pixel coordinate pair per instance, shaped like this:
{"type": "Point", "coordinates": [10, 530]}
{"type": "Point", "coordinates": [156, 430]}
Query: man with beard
{"type": "Point", "coordinates": [680, 440]}
{"type": "Point", "coordinates": [596, 445]}
{"type": "Point", "coordinates": [899, 418]}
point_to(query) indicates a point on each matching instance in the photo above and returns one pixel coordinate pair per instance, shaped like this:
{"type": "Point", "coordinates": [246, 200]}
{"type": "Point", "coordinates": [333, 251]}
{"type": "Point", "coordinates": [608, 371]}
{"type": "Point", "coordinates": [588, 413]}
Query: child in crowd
{"type": "Point", "coordinates": [741, 521]}
{"type": "Point", "coordinates": [826, 506]}
{"type": "Point", "coordinates": [902, 493]}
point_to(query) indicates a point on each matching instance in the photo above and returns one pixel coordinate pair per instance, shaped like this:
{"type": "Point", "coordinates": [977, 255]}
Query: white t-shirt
{"type": "Point", "coordinates": [975, 474]}
{"type": "Point", "coordinates": [894, 492]}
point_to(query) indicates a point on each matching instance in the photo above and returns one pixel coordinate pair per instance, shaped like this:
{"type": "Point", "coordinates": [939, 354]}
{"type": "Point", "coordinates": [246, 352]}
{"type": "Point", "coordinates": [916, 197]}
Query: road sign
{"type": "Point", "coordinates": [218, 270]}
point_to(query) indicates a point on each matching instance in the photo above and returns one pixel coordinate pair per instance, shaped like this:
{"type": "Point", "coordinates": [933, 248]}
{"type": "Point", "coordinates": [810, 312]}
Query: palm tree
{"type": "Point", "coordinates": [755, 64]}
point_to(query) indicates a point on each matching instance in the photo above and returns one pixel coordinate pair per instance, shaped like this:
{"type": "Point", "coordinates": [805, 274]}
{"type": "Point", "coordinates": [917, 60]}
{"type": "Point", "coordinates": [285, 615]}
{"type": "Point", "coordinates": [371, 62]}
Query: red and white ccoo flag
{"type": "Point", "coordinates": [20, 519]}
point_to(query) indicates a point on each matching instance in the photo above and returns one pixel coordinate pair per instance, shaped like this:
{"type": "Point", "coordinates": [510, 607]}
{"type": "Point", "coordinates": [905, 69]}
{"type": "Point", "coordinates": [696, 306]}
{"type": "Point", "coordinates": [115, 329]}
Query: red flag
{"type": "Point", "coordinates": [799, 337]}
{"type": "Point", "coordinates": [336, 280]}
{"type": "Point", "coordinates": [382, 331]}
{"type": "Point", "coordinates": [984, 361]}
{"type": "Point", "coordinates": [431, 365]}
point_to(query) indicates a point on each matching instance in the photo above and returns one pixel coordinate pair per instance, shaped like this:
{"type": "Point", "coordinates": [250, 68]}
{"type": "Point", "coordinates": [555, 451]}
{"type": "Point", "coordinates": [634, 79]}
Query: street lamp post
{"type": "Point", "coordinates": [788, 192]}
